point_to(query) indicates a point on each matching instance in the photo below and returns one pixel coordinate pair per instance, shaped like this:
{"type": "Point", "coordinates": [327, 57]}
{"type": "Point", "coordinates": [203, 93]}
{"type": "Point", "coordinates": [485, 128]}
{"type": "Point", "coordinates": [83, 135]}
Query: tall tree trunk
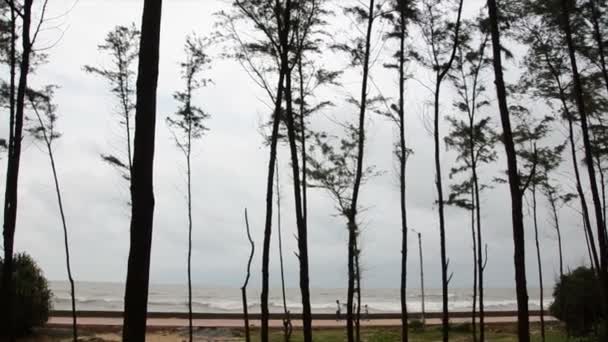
{"type": "Point", "coordinates": [421, 277]}
{"type": "Point", "coordinates": [440, 203]}
{"type": "Point", "coordinates": [269, 203]}
{"type": "Point", "coordinates": [244, 287]}
{"type": "Point", "coordinates": [358, 281]}
{"type": "Point", "coordinates": [539, 263]}
{"type": "Point", "coordinates": [593, 256]}
{"type": "Point", "coordinates": [523, 324]}
{"type": "Point", "coordinates": [442, 71]}
{"type": "Point", "coordinates": [302, 231]}
{"type": "Point", "coordinates": [14, 159]}
{"type": "Point", "coordinates": [286, 319]}
{"type": "Point", "coordinates": [580, 103]}
{"type": "Point", "coordinates": [480, 261]}
{"type": "Point", "coordinates": [48, 142]}
{"type": "Point", "coordinates": [189, 171]}
{"type": "Point", "coordinates": [475, 271]}
{"type": "Point", "coordinates": [552, 202]}
{"type": "Point", "coordinates": [402, 165]}
{"type": "Point", "coordinates": [352, 222]}
{"type": "Point", "coordinates": [142, 190]}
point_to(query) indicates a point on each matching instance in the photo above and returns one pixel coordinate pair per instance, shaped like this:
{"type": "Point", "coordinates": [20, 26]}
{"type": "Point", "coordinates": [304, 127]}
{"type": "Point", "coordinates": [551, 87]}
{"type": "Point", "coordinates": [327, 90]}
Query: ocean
{"type": "Point", "coordinates": [173, 298]}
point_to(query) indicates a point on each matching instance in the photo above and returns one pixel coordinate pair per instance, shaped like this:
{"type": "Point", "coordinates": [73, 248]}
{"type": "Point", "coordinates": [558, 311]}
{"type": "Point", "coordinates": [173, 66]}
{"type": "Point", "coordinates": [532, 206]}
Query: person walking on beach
{"type": "Point", "coordinates": [366, 313]}
{"type": "Point", "coordinates": [338, 312]}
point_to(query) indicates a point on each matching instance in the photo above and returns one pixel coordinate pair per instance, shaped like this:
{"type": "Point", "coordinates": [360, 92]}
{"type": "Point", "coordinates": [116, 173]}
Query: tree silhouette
{"type": "Point", "coordinates": [579, 96]}
{"type": "Point", "coordinates": [402, 14]}
{"type": "Point", "coordinates": [21, 15]}
{"type": "Point", "coordinates": [122, 45]}
{"type": "Point", "coordinates": [536, 163]}
{"type": "Point", "coordinates": [523, 323]}
{"type": "Point", "coordinates": [473, 138]}
{"type": "Point", "coordinates": [187, 125]}
{"type": "Point", "coordinates": [142, 192]}
{"type": "Point", "coordinates": [443, 37]}
{"type": "Point", "coordinates": [246, 282]}
{"type": "Point", "coordinates": [44, 130]}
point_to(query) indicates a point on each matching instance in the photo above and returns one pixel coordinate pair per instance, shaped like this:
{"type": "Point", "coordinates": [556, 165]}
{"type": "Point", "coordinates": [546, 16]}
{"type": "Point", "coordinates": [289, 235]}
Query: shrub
{"type": "Point", "coordinates": [576, 301]}
{"type": "Point", "coordinates": [32, 300]}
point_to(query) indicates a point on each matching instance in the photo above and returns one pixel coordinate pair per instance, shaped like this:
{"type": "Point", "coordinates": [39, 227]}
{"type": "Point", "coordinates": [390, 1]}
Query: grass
{"type": "Point", "coordinates": [457, 334]}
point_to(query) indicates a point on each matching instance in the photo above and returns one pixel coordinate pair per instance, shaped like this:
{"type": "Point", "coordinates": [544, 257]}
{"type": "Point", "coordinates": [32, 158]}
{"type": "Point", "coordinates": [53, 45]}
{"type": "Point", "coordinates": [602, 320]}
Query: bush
{"type": "Point", "coordinates": [576, 301]}
{"type": "Point", "coordinates": [32, 300]}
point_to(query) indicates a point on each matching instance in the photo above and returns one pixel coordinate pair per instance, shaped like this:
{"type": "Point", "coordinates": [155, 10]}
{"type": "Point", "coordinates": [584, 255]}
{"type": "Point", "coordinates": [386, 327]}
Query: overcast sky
{"type": "Point", "coordinates": [229, 174]}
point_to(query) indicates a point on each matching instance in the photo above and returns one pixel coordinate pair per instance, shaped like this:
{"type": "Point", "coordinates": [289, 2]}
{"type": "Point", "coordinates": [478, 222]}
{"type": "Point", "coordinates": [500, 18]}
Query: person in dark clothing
{"type": "Point", "coordinates": [338, 312]}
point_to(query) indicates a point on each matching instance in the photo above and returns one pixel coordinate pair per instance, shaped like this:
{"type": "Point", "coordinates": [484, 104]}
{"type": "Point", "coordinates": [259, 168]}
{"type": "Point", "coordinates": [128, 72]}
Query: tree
{"type": "Point", "coordinates": [352, 149]}
{"type": "Point", "coordinates": [536, 163]}
{"type": "Point", "coordinates": [188, 121]}
{"type": "Point", "coordinates": [142, 192]}
{"type": "Point", "coordinates": [523, 324]}
{"type": "Point", "coordinates": [546, 71]}
{"type": "Point", "coordinates": [403, 12]}
{"type": "Point", "coordinates": [474, 140]}
{"type": "Point", "coordinates": [566, 9]}
{"type": "Point", "coordinates": [443, 39]}
{"type": "Point", "coordinates": [557, 198]}
{"type": "Point", "coordinates": [246, 282]}
{"type": "Point", "coordinates": [44, 130]}
{"type": "Point", "coordinates": [265, 55]}
{"type": "Point", "coordinates": [17, 104]}
{"type": "Point", "coordinates": [122, 45]}
{"type": "Point", "coordinates": [332, 167]}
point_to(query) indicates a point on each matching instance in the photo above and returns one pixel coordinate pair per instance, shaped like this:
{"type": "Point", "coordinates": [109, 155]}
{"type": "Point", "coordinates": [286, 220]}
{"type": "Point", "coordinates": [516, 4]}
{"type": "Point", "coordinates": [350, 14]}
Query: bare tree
{"type": "Point", "coordinates": [188, 125]}
{"type": "Point", "coordinates": [142, 176]}
{"type": "Point", "coordinates": [244, 287]}
{"type": "Point", "coordinates": [44, 130]}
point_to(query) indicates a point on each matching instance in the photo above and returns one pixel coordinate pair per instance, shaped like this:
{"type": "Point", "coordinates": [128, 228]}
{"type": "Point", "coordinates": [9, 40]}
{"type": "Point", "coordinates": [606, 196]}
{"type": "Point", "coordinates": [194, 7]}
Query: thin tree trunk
{"type": "Point", "coordinates": [523, 324]}
{"type": "Point", "coordinates": [142, 190]}
{"type": "Point", "coordinates": [539, 262]}
{"type": "Point", "coordinates": [48, 142]}
{"type": "Point", "coordinates": [579, 187]}
{"type": "Point", "coordinates": [358, 280]}
{"type": "Point", "coordinates": [352, 222]}
{"type": "Point", "coordinates": [475, 274]}
{"type": "Point", "coordinates": [442, 71]}
{"type": "Point", "coordinates": [286, 319]}
{"type": "Point", "coordinates": [244, 287]}
{"type": "Point", "coordinates": [14, 159]}
{"type": "Point", "coordinates": [552, 201]}
{"type": "Point", "coordinates": [480, 262]}
{"type": "Point", "coordinates": [189, 171]}
{"type": "Point", "coordinates": [440, 203]}
{"type": "Point", "coordinates": [580, 102]}
{"type": "Point", "coordinates": [302, 231]}
{"type": "Point", "coordinates": [402, 165]}
{"type": "Point", "coordinates": [269, 204]}
{"type": "Point", "coordinates": [421, 276]}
